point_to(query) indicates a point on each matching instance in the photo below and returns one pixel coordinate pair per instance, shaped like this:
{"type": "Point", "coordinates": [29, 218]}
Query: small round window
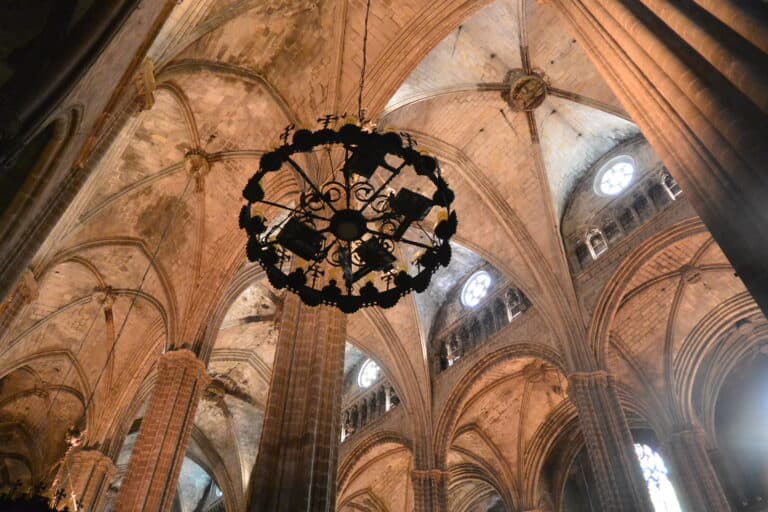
{"type": "Point", "coordinates": [475, 289]}
{"type": "Point", "coordinates": [369, 373]}
{"type": "Point", "coordinates": [615, 176]}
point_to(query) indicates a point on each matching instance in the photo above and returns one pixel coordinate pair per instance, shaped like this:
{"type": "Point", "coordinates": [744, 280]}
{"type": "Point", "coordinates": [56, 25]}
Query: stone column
{"type": "Point", "coordinates": [296, 465]}
{"type": "Point", "coordinates": [430, 490]}
{"type": "Point", "coordinates": [695, 475]}
{"type": "Point", "coordinates": [611, 451]}
{"type": "Point", "coordinates": [155, 464]}
{"type": "Point", "coordinates": [86, 476]}
{"type": "Point", "coordinates": [692, 75]}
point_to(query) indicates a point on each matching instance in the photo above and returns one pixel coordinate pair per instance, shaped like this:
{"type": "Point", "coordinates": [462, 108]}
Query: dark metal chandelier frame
{"type": "Point", "coordinates": [340, 244]}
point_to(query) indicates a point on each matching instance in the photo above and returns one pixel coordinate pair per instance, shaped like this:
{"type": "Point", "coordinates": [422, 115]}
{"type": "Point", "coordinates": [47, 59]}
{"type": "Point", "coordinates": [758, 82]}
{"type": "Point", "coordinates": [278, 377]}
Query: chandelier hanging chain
{"type": "Point", "coordinates": [365, 61]}
{"type": "Point", "coordinates": [355, 237]}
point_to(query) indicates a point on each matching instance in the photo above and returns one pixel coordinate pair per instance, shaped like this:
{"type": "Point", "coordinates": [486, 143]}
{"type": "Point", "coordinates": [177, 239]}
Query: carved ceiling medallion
{"type": "Point", "coordinates": [526, 91]}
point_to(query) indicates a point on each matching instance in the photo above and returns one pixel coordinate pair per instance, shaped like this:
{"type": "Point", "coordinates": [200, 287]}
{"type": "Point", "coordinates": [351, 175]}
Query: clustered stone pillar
{"type": "Point", "coordinates": [620, 482]}
{"type": "Point", "coordinates": [153, 470]}
{"type": "Point", "coordinates": [85, 476]}
{"type": "Point", "coordinates": [430, 490]}
{"type": "Point", "coordinates": [693, 75]}
{"type": "Point", "coordinates": [296, 465]}
{"type": "Point", "coordinates": [696, 476]}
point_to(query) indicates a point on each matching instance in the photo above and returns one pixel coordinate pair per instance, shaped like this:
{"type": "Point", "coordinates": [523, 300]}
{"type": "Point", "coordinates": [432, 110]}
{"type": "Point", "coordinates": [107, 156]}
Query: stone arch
{"type": "Point", "coordinates": [169, 311]}
{"type": "Point", "coordinates": [709, 353]}
{"type": "Point", "coordinates": [242, 280]}
{"type": "Point", "coordinates": [642, 414]}
{"type": "Point", "coordinates": [232, 71]}
{"type": "Point", "coordinates": [398, 60]}
{"type": "Point", "coordinates": [348, 459]}
{"type": "Point", "coordinates": [557, 312]}
{"type": "Point", "coordinates": [174, 91]}
{"type": "Point", "coordinates": [610, 298]}
{"type": "Point", "coordinates": [45, 147]}
{"type": "Point", "coordinates": [561, 422]}
{"type": "Point", "coordinates": [470, 473]}
{"type": "Point", "coordinates": [405, 379]}
{"type": "Point", "coordinates": [214, 466]}
{"type": "Point", "coordinates": [66, 354]}
{"type": "Point", "coordinates": [378, 453]}
{"type": "Point", "coordinates": [24, 204]}
{"type": "Point", "coordinates": [368, 497]}
{"type": "Point", "coordinates": [501, 480]}
{"type": "Point", "coordinates": [447, 421]}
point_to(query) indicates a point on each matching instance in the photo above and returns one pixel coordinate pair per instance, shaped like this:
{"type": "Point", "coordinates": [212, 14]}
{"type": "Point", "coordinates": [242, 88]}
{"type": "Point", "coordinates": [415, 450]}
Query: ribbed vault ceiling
{"type": "Point", "coordinates": [232, 74]}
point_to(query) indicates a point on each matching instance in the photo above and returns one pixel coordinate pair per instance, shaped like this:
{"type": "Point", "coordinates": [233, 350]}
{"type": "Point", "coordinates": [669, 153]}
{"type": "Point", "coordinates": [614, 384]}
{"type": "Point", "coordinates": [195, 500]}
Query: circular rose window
{"type": "Point", "coordinates": [615, 176]}
{"type": "Point", "coordinates": [369, 373]}
{"type": "Point", "coordinates": [475, 289]}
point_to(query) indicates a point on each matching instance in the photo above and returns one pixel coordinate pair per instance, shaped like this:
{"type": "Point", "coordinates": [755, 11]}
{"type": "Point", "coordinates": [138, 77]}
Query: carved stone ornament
{"type": "Point", "coordinates": [75, 436]}
{"type": "Point", "coordinates": [526, 91]}
{"type": "Point", "coordinates": [196, 162]}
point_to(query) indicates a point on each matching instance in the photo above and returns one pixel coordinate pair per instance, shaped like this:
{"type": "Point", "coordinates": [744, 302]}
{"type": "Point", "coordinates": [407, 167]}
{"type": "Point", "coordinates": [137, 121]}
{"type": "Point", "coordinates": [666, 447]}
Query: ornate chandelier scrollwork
{"type": "Point", "coordinates": [344, 241]}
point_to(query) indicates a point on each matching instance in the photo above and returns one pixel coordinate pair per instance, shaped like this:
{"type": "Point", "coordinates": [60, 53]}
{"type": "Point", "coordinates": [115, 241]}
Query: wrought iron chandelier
{"type": "Point", "coordinates": [367, 202]}
{"type": "Point", "coordinates": [342, 244]}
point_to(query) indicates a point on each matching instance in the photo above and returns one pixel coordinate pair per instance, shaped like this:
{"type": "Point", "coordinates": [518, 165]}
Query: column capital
{"type": "Point", "coordinates": [584, 381]}
{"type": "Point", "coordinates": [184, 359]}
{"type": "Point", "coordinates": [591, 376]}
{"type": "Point", "coordinates": [434, 475]}
{"type": "Point", "coordinates": [689, 434]}
{"type": "Point", "coordinates": [91, 455]}
{"type": "Point", "coordinates": [154, 467]}
{"type": "Point", "coordinates": [28, 286]}
{"type": "Point", "coordinates": [87, 474]}
{"type": "Point", "coordinates": [146, 84]}
{"type": "Point", "coordinates": [688, 430]}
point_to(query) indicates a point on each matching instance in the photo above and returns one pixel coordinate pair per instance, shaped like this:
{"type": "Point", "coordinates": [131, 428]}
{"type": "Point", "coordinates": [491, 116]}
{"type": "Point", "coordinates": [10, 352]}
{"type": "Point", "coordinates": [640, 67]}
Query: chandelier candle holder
{"type": "Point", "coordinates": [367, 202]}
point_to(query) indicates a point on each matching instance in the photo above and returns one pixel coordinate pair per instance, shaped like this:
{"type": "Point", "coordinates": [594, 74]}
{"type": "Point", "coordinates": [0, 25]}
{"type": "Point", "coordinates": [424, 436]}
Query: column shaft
{"type": "Point", "coordinates": [620, 482]}
{"type": "Point", "coordinates": [296, 465]}
{"type": "Point", "coordinates": [740, 17]}
{"type": "Point", "coordinates": [696, 476]}
{"type": "Point", "coordinates": [153, 471]}
{"type": "Point", "coordinates": [430, 490]}
{"type": "Point", "coordinates": [664, 65]}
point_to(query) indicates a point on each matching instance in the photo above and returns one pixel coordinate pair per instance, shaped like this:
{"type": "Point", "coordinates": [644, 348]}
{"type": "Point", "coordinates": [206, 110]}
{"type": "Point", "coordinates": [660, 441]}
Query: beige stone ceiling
{"type": "Point", "coordinates": [231, 75]}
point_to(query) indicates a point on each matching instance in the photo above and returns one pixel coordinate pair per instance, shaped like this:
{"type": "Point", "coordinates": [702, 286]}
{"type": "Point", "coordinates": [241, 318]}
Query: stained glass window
{"type": "Point", "coordinates": [475, 289]}
{"type": "Point", "coordinates": [615, 176]}
{"type": "Point", "coordinates": [369, 373]}
{"type": "Point", "coordinates": [656, 475]}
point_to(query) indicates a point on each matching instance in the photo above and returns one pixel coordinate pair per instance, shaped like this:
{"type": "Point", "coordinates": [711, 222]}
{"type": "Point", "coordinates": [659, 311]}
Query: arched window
{"type": "Point", "coordinates": [515, 304]}
{"type": "Point", "coordinates": [369, 373]}
{"type": "Point", "coordinates": [596, 243]}
{"type": "Point", "coordinates": [656, 476]}
{"type": "Point", "coordinates": [673, 189]}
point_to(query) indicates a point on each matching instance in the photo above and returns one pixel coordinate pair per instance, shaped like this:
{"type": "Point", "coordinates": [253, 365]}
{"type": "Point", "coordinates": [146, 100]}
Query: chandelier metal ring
{"type": "Point", "coordinates": [342, 242]}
